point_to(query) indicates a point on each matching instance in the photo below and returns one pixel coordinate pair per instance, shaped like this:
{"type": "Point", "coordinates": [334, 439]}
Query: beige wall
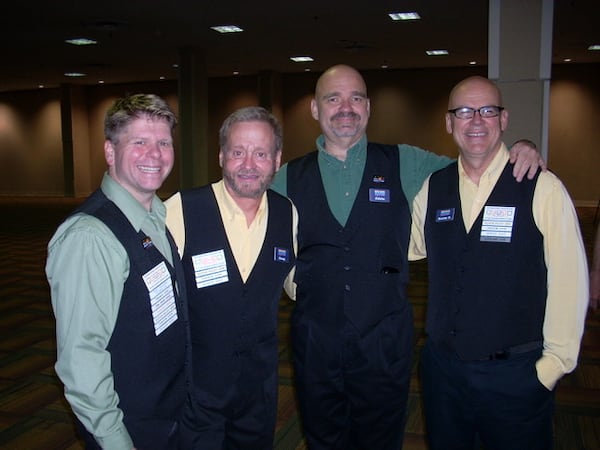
{"type": "Point", "coordinates": [407, 106]}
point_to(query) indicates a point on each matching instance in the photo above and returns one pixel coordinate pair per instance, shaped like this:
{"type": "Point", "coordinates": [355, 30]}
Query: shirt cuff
{"type": "Point", "coordinates": [549, 371]}
{"type": "Point", "coordinates": [119, 440]}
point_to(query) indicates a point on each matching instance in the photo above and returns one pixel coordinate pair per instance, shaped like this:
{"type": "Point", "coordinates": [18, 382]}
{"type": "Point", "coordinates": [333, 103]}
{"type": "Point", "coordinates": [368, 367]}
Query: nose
{"type": "Point", "coordinates": [154, 150]}
{"type": "Point", "coordinates": [476, 117]}
{"type": "Point", "coordinates": [248, 160]}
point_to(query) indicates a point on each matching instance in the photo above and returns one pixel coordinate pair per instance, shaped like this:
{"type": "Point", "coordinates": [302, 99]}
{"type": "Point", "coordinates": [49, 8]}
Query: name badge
{"type": "Point", "coordinates": [210, 269]}
{"type": "Point", "coordinates": [162, 298]}
{"type": "Point", "coordinates": [444, 215]}
{"type": "Point", "coordinates": [497, 224]}
{"type": "Point", "coordinates": [379, 195]}
{"type": "Point", "coordinates": [281, 255]}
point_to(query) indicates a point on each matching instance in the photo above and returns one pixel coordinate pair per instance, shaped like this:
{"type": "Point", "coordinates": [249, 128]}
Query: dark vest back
{"type": "Point", "coordinates": [484, 296]}
{"type": "Point", "coordinates": [150, 372]}
{"type": "Point", "coordinates": [234, 317]}
{"type": "Point", "coordinates": [357, 272]}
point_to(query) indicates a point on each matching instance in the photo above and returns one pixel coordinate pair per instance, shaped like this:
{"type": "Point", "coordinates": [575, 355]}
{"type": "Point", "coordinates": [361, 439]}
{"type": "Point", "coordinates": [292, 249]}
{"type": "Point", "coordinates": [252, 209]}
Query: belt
{"type": "Point", "coordinates": [514, 350]}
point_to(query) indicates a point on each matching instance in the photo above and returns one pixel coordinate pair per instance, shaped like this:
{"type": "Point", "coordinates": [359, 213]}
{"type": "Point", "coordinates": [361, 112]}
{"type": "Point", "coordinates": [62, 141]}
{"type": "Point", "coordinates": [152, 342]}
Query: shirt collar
{"type": "Point", "coordinates": [356, 154]}
{"type": "Point", "coordinates": [133, 210]}
{"type": "Point", "coordinates": [229, 207]}
{"type": "Point", "coordinates": [494, 169]}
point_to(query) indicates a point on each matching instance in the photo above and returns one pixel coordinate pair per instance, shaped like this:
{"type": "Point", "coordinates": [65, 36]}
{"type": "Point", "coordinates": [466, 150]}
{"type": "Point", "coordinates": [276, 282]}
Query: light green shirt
{"type": "Point", "coordinates": [341, 179]}
{"type": "Point", "coordinates": [87, 268]}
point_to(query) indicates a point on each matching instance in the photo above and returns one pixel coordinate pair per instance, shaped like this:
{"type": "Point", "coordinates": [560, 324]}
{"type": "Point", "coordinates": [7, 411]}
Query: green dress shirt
{"type": "Point", "coordinates": [87, 268]}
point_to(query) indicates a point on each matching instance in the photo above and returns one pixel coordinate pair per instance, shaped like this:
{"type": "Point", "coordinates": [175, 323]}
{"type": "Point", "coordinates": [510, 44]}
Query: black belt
{"type": "Point", "coordinates": [515, 350]}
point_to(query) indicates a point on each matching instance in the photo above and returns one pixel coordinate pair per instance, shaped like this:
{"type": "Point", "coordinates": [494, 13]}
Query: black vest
{"type": "Point", "coordinates": [484, 296]}
{"type": "Point", "coordinates": [150, 372]}
{"type": "Point", "coordinates": [234, 317]}
{"type": "Point", "coordinates": [357, 272]}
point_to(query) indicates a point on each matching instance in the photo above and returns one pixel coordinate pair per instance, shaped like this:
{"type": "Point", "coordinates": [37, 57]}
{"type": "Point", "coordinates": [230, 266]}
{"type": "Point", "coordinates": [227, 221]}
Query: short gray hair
{"type": "Point", "coordinates": [251, 114]}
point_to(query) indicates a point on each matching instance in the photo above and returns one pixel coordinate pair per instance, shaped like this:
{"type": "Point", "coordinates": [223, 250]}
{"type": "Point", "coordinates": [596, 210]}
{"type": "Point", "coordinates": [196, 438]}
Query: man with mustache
{"type": "Point", "coordinates": [352, 329]}
{"type": "Point", "coordinates": [237, 243]}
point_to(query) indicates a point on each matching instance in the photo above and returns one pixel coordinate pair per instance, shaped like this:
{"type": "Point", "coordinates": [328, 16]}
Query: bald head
{"type": "Point", "coordinates": [471, 87]}
{"type": "Point", "coordinates": [341, 107]}
{"type": "Point", "coordinates": [337, 73]}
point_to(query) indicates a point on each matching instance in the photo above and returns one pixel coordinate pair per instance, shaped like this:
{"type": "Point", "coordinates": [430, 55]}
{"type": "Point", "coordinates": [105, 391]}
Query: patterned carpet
{"type": "Point", "coordinates": [34, 415]}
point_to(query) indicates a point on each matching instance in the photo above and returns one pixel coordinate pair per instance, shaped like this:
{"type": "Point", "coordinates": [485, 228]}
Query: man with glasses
{"type": "Point", "coordinates": [507, 286]}
{"type": "Point", "coordinates": [352, 328]}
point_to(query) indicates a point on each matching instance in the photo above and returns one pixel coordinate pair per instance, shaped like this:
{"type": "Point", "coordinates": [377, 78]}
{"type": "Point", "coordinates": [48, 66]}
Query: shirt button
{"type": "Point", "coordinates": [347, 288]}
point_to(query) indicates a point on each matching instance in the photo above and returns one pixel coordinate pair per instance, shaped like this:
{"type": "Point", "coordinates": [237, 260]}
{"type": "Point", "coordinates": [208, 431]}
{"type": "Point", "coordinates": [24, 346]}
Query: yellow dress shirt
{"type": "Point", "coordinates": [245, 241]}
{"type": "Point", "coordinates": [564, 254]}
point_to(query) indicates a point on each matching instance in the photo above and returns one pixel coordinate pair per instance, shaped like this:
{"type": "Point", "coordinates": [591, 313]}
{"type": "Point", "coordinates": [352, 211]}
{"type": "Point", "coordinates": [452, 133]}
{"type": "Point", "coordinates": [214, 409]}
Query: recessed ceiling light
{"type": "Point", "coordinates": [227, 29]}
{"type": "Point", "coordinates": [81, 41]}
{"type": "Point", "coordinates": [436, 52]}
{"type": "Point", "coordinates": [301, 59]}
{"type": "Point", "coordinates": [404, 16]}
{"type": "Point", "coordinates": [40, 86]}
{"type": "Point", "coordinates": [594, 47]}
{"type": "Point", "coordinates": [472, 63]}
{"type": "Point", "coordinates": [236, 72]}
{"type": "Point", "coordinates": [74, 74]}
{"type": "Point", "coordinates": [567, 60]}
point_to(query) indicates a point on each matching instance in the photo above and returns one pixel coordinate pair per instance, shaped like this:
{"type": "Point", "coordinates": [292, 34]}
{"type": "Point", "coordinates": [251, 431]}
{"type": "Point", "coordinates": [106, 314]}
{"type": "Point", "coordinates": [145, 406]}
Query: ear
{"type": "Point", "coordinates": [314, 109]}
{"type": "Point", "coordinates": [448, 123]}
{"type": "Point", "coordinates": [109, 153]}
{"type": "Point", "coordinates": [221, 158]}
{"type": "Point", "coordinates": [503, 120]}
{"type": "Point", "coordinates": [278, 160]}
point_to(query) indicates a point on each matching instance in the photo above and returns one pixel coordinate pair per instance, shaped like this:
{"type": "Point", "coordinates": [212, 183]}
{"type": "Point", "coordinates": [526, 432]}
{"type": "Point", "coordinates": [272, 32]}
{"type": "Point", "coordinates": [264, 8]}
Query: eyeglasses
{"type": "Point", "coordinates": [485, 112]}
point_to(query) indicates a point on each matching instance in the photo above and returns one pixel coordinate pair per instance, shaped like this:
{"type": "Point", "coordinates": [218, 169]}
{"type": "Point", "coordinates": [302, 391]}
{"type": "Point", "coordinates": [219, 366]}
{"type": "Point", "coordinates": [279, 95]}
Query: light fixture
{"type": "Point", "coordinates": [301, 59]}
{"type": "Point", "coordinates": [74, 74]}
{"type": "Point", "coordinates": [404, 16]}
{"type": "Point", "coordinates": [594, 47]}
{"type": "Point", "coordinates": [436, 52]}
{"type": "Point", "coordinates": [81, 41]}
{"type": "Point", "coordinates": [227, 29]}
{"type": "Point", "coordinates": [567, 60]}
{"type": "Point", "coordinates": [472, 63]}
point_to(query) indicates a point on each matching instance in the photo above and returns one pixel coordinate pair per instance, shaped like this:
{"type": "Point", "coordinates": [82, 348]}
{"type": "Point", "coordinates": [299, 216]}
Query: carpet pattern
{"type": "Point", "coordinates": [34, 414]}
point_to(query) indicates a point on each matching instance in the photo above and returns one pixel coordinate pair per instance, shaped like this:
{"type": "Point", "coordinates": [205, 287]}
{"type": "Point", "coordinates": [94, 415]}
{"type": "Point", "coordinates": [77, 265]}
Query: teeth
{"type": "Point", "coordinates": [149, 169]}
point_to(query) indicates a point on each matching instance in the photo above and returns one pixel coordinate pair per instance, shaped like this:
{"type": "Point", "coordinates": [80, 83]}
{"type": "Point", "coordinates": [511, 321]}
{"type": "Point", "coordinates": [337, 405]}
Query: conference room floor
{"type": "Point", "coordinates": [34, 414]}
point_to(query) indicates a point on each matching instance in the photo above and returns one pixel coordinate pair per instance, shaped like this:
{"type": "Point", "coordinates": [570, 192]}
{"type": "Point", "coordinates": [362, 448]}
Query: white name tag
{"type": "Point", "coordinates": [497, 223]}
{"type": "Point", "coordinates": [162, 298]}
{"type": "Point", "coordinates": [210, 268]}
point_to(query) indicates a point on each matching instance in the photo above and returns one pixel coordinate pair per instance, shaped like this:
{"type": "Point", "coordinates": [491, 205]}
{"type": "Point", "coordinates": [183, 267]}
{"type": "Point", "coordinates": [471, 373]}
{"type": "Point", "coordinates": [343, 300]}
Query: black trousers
{"type": "Point", "coordinates": [352, 389]}
{"type": "Point", "coordinates": [499, 401]}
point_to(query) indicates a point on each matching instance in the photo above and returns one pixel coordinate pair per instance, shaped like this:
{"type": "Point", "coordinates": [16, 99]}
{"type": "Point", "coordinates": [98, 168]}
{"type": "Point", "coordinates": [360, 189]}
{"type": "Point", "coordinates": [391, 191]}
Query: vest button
{"type": "Point", "coordinates": [347, 268]}
{"type": "Point", "coordinates": [347, 288]}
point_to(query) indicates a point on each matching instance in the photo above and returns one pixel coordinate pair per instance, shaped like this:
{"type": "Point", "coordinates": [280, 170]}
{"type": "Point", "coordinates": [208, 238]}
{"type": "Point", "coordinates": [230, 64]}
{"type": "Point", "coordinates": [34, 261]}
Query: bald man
{"type": "Point", "coordinates": [507, 286]}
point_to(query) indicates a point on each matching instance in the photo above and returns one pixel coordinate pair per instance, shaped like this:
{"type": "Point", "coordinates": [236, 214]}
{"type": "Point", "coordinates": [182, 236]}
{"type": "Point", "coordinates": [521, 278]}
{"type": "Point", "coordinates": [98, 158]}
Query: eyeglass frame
{"type": "Point", "coordinates": [476, 110]}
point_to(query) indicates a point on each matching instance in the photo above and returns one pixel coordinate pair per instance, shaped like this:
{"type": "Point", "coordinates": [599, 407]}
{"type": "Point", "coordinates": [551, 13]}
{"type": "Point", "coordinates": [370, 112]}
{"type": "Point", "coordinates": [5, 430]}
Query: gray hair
{"type": "Point", "coordinates": [132, 107]}
{"type": "Point", "coordinates": [251, 114]}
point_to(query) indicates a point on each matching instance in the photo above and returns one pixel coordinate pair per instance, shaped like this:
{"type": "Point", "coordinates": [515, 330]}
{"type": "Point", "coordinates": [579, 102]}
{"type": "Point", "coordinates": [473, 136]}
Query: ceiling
{"type": "Point", "coordinates": [140, 40]}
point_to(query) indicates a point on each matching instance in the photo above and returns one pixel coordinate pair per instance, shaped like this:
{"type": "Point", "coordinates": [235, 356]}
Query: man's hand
{"type": "Point", "coordinates": [526, 158]}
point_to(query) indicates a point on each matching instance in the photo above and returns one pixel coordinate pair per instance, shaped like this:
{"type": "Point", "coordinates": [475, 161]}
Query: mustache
{"type": "Point", "coordinates": [346, 115]}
